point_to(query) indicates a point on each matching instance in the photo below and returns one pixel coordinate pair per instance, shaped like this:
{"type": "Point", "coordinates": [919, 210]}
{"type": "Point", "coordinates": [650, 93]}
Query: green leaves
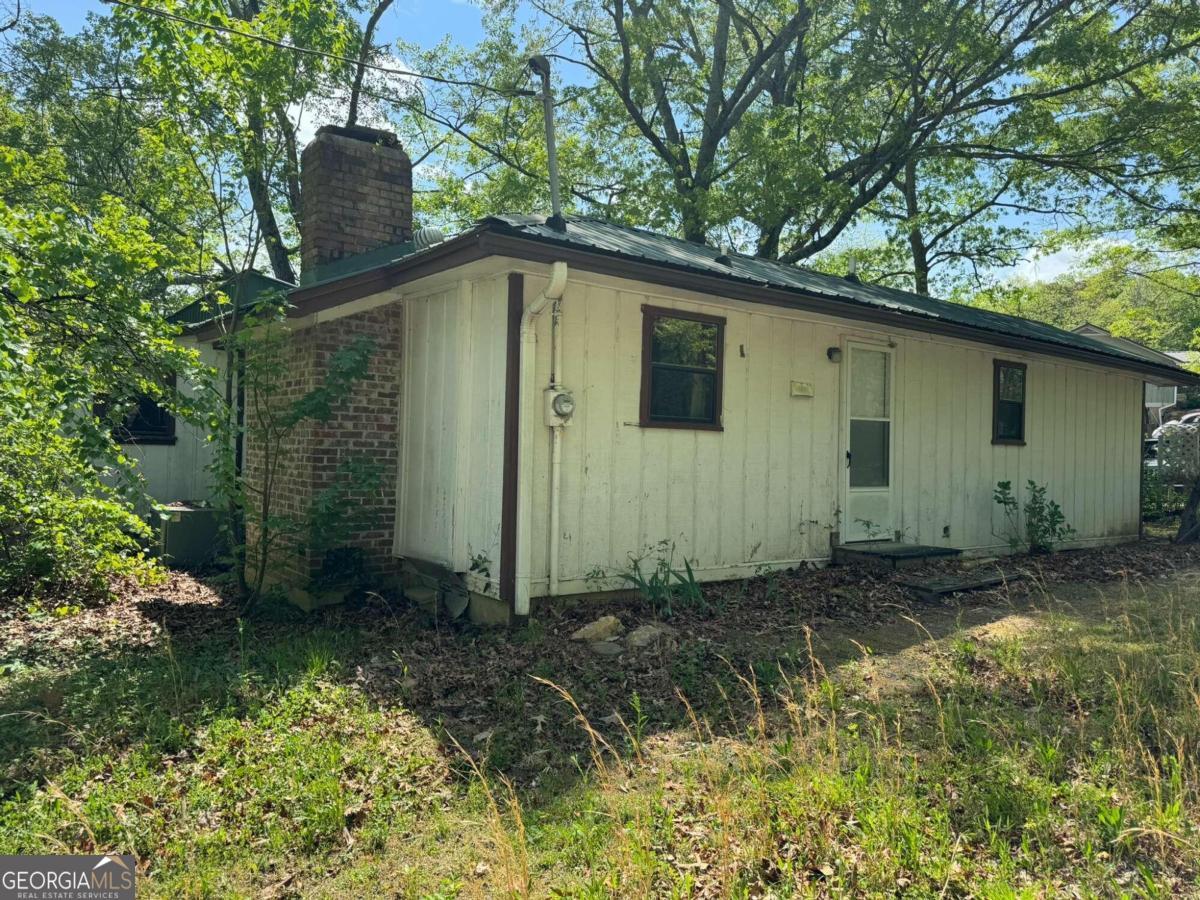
{"type": "Point", "coordinates": [780, 127]}
{"type": "Point", "coordinates": [83, 305]}
{"type": "Point", "coordinates": [63, 531]}
{"type": "Point", "coordinates": [1043, 524]}
{"type": "Point", "coordinates": [1133, 291]}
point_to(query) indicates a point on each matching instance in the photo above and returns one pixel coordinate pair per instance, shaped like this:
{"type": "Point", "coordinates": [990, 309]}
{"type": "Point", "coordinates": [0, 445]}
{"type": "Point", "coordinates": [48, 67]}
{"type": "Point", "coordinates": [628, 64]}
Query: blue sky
{"type": "Point", "coordinates": [428, 21]}
{"type": "Point", "coordinates": [423, 21]}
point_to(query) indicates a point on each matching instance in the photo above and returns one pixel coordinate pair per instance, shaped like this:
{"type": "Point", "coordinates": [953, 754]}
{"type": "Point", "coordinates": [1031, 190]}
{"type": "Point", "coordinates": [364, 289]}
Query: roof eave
{"type": "Point", "coordinates": [513, 244]}
{"type": "Point", "coordinates": [309, 299]}
{"type": "Point", "coordinates": [491, 239]}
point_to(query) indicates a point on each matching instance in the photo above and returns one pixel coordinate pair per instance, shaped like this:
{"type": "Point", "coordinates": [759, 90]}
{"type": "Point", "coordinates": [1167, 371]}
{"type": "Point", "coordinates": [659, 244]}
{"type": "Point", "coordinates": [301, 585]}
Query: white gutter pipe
{"type": "Point", "coordinates": [556, 436]}
{"type": "Point", "coordinates": [528, 412]}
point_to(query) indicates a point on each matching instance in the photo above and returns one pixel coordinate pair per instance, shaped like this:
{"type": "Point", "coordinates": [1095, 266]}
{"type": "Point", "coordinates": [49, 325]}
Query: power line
{"type": "Point", "coordinates": [387, 70]}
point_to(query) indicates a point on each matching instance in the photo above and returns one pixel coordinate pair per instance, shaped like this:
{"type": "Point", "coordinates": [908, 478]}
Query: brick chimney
{"type": "Point", "coordinates": [356, 187]}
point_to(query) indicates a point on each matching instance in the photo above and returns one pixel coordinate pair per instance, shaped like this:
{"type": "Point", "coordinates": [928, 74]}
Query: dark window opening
{"type": "Point", "coordinates": [146, 423]}
{"type": "Point", "coordinates": [1008, 403]}
{"type": "Point", "coordinates": [682, 356]}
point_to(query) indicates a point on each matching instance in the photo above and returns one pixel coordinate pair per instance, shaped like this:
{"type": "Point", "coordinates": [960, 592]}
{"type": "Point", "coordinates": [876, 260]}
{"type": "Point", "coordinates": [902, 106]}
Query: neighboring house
{"type": "Point", "coordinates": [548, 401]}
{"type": "Point", "coordinates": [1158, 397]}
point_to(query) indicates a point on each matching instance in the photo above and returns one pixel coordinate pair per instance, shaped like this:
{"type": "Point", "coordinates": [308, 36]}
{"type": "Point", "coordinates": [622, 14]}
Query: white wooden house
{"type": "Point", "coordinates": [568, 396]}
{"type": "Point", "coordinates": [1158, 397]}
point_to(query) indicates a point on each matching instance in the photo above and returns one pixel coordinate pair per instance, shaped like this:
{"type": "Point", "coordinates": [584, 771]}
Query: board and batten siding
{"type": "Point", "coordinates": [765, 490]}
{"type": "Point", "coordinates": [452, 415]}
{"type": "Point", "coordinates": [180, 471]}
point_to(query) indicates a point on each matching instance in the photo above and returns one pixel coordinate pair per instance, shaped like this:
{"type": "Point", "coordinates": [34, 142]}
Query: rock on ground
{"type": "Point", "coordinates": [602, 629]}
{"type": "Point", "coordinates": [650, 635]}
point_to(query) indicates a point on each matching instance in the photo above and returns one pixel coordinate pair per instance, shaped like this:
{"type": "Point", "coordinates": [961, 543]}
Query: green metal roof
{"type": "Point", "coordinates": [594, 236]}
{"type": "Point", "coordinates": [649, 247]}
{"type": "Point", "coordinates": [244, 290]}
{"type": "Point", "coordinates": [359, 262]}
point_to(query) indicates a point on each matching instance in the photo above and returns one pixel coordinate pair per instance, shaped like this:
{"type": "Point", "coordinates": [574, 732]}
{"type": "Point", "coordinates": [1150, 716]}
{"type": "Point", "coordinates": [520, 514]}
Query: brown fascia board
{"type": "Point", "coordinates": [842, 308]}
{"type": "Point", "coordinates": [480, 243]}
{"type": "Point", "coordinates": [305, 301]}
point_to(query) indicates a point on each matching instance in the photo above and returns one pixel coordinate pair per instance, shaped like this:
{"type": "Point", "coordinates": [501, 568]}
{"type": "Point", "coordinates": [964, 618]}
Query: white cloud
{"type": "Point", "coordinates": [1048, 266]}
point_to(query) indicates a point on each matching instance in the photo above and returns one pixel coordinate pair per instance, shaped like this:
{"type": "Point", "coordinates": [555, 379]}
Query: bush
{"type": "Point", "coordinates": [64, 534]}
{"type": "Point", "coordinates": [1179, 458]}
{"type": "Point", "coordinates": [1160, 499]}
{"type": "Point", "coordinates": [1045, 524]}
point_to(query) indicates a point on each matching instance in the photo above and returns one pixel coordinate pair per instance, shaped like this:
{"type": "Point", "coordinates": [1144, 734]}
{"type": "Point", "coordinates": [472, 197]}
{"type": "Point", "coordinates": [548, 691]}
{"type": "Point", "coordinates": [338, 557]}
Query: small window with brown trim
{"type": "Point", "coordinates": [682, 362]}
{"type": "Point", "coordinates": [1008, 402]}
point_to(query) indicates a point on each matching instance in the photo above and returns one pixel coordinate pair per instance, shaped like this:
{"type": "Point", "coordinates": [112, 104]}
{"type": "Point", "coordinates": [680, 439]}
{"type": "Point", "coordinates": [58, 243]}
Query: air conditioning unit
{"type": "Point", "coordinates": [189, 536]}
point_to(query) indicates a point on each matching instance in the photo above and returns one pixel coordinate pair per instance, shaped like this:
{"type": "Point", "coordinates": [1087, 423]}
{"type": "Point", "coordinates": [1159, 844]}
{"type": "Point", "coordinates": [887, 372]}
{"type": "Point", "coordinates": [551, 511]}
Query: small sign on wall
{"type": "Point", "coordinates": [802, 389]}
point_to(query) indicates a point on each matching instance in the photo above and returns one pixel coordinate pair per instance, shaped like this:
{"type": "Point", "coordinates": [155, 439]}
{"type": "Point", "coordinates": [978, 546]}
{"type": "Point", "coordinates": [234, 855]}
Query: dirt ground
{"type": "Point", "coordinates": [474, 685]}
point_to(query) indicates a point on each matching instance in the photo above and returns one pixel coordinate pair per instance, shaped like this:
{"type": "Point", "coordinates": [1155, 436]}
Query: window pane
{"type": "Point", "coordinates": [684, 342]}
{"type": "Point", "coordinates": [1010, 420]}
{"type": "Point", "coordinates": [681, 395]}
{"type": "Point", "coordinates": [869, 384]}
{"type": "Point", "coordinates": [1012, 384]}
{"type": "Point", "coordinates": [869, 453]}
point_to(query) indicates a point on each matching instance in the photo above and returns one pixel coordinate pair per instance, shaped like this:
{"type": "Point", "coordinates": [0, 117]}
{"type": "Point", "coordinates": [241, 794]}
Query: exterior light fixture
{"type": "Point", "coordinates": [834, 354]}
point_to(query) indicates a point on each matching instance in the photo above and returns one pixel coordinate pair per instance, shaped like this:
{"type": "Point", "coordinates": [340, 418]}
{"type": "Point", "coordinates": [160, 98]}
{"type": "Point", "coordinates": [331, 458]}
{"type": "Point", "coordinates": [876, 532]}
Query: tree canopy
{"type": "Point", "coordinates": [155, 154]}
{"type": "Point", "coordinates": [1132, 293]}
{"type": "Point", "coordinates": [963, 127]}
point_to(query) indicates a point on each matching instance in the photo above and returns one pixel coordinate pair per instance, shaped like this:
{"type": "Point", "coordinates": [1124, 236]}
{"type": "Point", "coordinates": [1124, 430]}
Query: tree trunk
{"type": "Point", "coordinates": [1189, 519]}
{"type": "Point", "coordinates": [258, 186]}
{"type": "Point", "coordinates": [916, 240]}
{"type": "Point", "coordinates": [364, 54]}
{"type": "Point", "coordinates": [693, 221]}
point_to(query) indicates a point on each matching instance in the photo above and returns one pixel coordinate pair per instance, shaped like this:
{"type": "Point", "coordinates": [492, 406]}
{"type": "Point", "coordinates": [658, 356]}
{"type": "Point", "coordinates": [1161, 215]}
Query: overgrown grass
{"type": "Point", "coordinates": [1047, 752]}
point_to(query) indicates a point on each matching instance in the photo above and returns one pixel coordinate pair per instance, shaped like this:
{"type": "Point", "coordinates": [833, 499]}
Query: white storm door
{"type": "Point", "coordinates": [867, 438]}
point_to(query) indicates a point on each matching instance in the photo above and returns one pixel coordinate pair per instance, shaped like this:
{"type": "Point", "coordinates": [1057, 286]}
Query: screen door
{"type": "Point", "coordinates": [867, 482]}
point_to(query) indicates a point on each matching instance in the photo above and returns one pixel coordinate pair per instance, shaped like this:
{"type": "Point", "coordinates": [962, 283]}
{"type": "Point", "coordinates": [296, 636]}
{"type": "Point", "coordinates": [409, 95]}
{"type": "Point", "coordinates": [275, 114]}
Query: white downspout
{"type": "Point", "coordinates": [556, 436]}
{"type": "Point", "coordinates": [528, 412]}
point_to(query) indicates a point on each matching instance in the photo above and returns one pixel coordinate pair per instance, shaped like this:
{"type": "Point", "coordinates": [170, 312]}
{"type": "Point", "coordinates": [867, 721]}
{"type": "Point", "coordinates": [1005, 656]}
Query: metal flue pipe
{"type": "Point", "coordinates": [540, 66]}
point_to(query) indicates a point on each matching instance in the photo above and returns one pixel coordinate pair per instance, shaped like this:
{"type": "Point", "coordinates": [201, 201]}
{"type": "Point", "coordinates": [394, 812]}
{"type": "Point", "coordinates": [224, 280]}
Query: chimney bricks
{"type": "Point", "coordinates": [356, 187]}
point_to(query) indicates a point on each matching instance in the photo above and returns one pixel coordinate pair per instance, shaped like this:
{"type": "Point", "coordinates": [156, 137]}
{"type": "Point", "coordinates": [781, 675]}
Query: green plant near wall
{"type": "Point", "coordinates": [336, 514]}
{"type": "Point", "coordinates": [64, 531]}
{"type": "Point", "coordinates": [271, 424]}
{"type": "Point", "coordinates": [1035, 526]}
{"type": "Point", "coordinates": [1160, 498]}
{"type": "Point", "coordinates": [662, 583]}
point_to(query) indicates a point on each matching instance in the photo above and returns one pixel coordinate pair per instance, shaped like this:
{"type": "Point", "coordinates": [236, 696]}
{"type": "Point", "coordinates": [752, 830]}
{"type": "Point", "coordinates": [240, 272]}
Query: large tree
{"type": "Point", "coordinates": [1134, 292]}
{"type": "Point", "coordinates": [242, 77]}
{"type": "Point", "coordinates": [778, 125]}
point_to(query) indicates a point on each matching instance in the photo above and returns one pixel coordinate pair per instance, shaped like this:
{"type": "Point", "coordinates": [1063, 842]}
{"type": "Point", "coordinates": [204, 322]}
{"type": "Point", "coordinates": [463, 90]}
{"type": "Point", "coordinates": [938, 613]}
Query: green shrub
{"type": "Point", "coordinates": [1044, 522]}
{"type": "Point", "coordinates": [1160, 498]}
{"type": "Point", "coordinates": [63, 532]}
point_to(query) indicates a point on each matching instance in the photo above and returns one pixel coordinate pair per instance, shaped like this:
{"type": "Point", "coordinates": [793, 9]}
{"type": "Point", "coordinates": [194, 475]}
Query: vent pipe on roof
{"type": "Point", "coordinates": [540, 66]}
{"type": "Point", "coordinates": [426, 237]}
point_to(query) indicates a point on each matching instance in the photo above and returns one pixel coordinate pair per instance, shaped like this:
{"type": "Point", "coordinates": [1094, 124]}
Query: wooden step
{"type": "Point", "coordinates": [933, 589]}
{"type": "Point", "coordinates": [888, 555]}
